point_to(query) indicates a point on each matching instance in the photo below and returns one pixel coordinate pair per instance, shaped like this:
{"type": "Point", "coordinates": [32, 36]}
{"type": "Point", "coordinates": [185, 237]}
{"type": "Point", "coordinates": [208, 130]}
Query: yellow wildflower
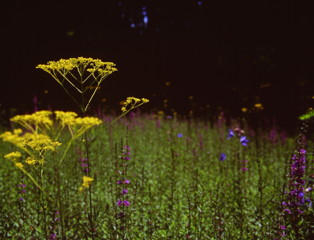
{"type": "Point", "coordinates": [87, 121]}
{"type": "Point", "coordinates": [13, 156]}
{"type": "Point", "coordinates": [258, 106]}
{"type": "Point", "coordinates": [78, 72]}
{"type": "Point", "coordinates": [244, 109]}
{"type": "Point", "coordinates": [30, 161]}
{"type": "Point", "coordinates": [19, 165]}
{"type": "Point", "coordinates": [81, 125]}
{"type": "Point", "coordinates": [65, 118]}
{"type": "Point", "coordinates": [87, 181]}
{"type": "Point", "coordinates": [40, 119]}
{"type": "Point", "coordinates": [133, 102]}
{"type": "Point", "coordinates": [12, 137]}
{"type": "Point", "coordinates": [98, 68]}
{"type": "Point", "coordinates": [37, 142]}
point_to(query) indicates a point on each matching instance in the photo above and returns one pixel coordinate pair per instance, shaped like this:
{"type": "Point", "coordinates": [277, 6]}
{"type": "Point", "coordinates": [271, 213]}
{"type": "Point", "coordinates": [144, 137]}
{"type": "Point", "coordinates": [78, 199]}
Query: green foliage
{"type": "Point", "coordinates": [307, 115]}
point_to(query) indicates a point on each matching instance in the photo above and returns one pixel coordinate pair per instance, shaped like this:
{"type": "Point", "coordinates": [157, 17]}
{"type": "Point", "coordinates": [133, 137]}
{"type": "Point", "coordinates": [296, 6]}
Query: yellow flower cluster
{"type": "Point", "coordinates": [12, 137]}
{"type": "Point", "coordinates": [39, 142]}
{"type": "Point", "coordinates": [14, 157]}
{"type": "Point", "coordinates": [87, 121]}
{"type": "Point", "coordinates": [43, 122]}
{"type": "Point", "coordinates": [87, 181]}
{"type": "Point", "coordinates": [65, 118]}
{"type": "Point", "coordinates": [133, 102]}
{"type": "Point", "coordinates": [81, 125]}
{"type": "Point", "coordinates": [32, 122]}
{"type": "Point", "coordinates": [82, 64]}
{"type": "Point", "coordinates": [30, 141]}
{"type": "Point", "coordinates": [19, 165]}
{"type": "Point", "coordinates": [80, 73]}
{"type": "Point", "coordinates": [32, 161]}
{"type": "Point", "coordinates": [77, 125]}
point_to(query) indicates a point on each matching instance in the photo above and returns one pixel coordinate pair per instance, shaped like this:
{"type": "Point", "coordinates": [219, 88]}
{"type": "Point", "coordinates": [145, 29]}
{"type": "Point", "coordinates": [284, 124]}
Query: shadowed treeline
{"type": "Point", "coordinates": [225, 55]}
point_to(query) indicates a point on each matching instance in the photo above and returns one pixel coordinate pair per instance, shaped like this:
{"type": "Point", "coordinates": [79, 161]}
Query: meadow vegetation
{"type": "Point", "coordinates": [68, 175]}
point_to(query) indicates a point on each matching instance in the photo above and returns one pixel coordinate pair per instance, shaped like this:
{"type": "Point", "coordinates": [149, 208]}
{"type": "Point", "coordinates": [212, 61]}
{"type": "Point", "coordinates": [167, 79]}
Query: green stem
{"type": "Point", "coordinates": [90, 99]}
{"type": "Point", "coordinates": [64, 76]}
{"type": "Point", "coordinates": [66, 150]}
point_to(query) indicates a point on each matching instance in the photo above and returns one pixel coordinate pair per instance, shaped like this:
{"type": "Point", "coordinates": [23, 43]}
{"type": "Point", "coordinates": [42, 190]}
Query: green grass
{"type": "Point", "coordinates": [179, 188]}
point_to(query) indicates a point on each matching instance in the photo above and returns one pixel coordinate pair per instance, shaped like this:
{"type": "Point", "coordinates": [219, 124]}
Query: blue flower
{"type": "Point", "coordinates": [244, 141]}
{"type": "Point", "coordinates": [180, 135]}
{"type": "Point", "coordinates": [222, 157]}
{"type": "Point", "coordinates": [230, 134]}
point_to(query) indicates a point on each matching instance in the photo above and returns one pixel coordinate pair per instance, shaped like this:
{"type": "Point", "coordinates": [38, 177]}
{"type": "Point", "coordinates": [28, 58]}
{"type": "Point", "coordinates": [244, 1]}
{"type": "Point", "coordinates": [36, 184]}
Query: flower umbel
{"type": "Point", "coordinates": [132, 102]}
{"type": "Point", "coordinates": [84, 75]}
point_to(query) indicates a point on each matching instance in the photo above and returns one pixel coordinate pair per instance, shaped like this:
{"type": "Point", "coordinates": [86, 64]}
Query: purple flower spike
{"type": "Point", "coordinates": [123, 202]}
{"type": "Point", "coordinates": [119, 202]}
{"type": "Point", "coordinates": [230, 134]}
{"type": "Point", "coordinates": [127, 147]}
{"type": "Point", "coordinates": [282, 227]}
{"type": "Point", "coordinates": [222, 157]}
{"type": "Point", "coordinates": [244, 141]}
{"type": "Point", "coordinates": [287, 210]}
{"type": "Point", "coordinates": [53, 236]}
{"type": "Point", "coordinates": [125, 191]}
{"type": "Point", "coordinates": [126, 181]}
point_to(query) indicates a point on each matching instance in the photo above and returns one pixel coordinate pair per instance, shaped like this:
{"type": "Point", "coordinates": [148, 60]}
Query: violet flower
{"type": "Point", "coordinates": [125, 191]}
{"type": "Point", "coordinates": [123, 203]}
{"type": "Point", "coordinates": [244, 141]}
{"type": "Point", "coordinates": [230, 134]}
{"type": "Point", "coordinates": [222, 157]}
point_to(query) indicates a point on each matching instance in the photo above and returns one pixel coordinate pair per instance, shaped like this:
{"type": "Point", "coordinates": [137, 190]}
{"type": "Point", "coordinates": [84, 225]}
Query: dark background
{"type": "Point", "coordinates": [202, 55]}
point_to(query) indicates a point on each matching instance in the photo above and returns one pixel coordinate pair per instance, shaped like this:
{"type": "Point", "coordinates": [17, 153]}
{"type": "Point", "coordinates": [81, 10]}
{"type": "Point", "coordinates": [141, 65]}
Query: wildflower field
{"type": "Point", "coordinates": [151, 176]}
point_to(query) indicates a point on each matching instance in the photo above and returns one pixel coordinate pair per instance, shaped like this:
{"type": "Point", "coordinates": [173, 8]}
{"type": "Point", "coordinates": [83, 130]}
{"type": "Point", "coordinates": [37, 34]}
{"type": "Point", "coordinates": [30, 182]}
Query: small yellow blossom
{"type": "Point", "coordinates": [160, 113]}
{"type": "Point", "coordinates": [87, 121]}
{"type": "Point", "coordinates": [19, 165]}
{"type": "Point", "coordinates": [30, 161]}
{"type": "Point", "coordinates": [65, 118]}
{"type": "Point", "coordinates": [87, 181]}
{"type": "Point", "coordinates": [13, 156]}
{"type": "Point", "coordinates": [244, 109]}
{"type": "Point", "coordinates": [258, 106]}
